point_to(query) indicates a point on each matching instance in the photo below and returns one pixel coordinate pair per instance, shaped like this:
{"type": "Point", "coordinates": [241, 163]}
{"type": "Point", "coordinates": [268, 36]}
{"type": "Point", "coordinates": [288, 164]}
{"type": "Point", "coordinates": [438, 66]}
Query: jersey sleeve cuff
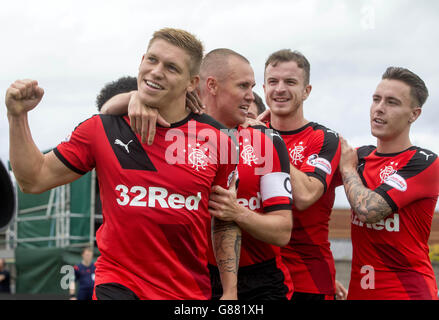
{"type": "Point", "coordinates": [67, 163]}
{"type": "Point", "coordinates": [320, 178]}
{"type": "Point", "coordinates": [277, 207]}
{"type": "Point", "coordinates": [388, 199]}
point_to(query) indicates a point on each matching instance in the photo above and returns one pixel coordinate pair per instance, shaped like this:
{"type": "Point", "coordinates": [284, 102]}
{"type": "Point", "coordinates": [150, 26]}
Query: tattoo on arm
{"type": "Point", "coordinates": [226, 245]}
{"type": "Point", "coordinates": [369, 206]}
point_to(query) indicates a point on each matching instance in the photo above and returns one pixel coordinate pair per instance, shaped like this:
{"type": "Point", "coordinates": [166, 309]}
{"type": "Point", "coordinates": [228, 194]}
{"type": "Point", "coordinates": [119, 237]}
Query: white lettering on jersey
{"type": "Point", "coordinates": [253, 203]}
{"type": "Point", "coordinates": [320, 163]}
{"type": "Point", "coordinates": [388, 224]}
{"type": "Point", "coordinates": [155, 197]}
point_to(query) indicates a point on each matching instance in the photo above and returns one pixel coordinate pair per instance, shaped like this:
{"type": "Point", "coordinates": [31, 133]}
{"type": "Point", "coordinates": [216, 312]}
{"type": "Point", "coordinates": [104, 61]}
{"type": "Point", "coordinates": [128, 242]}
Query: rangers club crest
{"type": "Point", "coordinates": [197, 158]}
{"type": "Point", "coordinates": [390, 177]}
{"type": "Point", "coordinates": [386, 172]}
{"type": "Point", "coordinates": [296, 153]}
{"type": "Point", "coordinates": [248, 155]}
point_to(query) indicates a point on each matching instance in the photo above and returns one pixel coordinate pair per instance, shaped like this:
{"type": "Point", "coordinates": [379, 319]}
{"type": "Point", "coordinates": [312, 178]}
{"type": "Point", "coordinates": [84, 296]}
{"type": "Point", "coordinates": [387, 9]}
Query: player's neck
{"type": "Point", "coordinates": [288, 122]}
{"type": "Point", "coordinates": [394, 145]}
{"type": "Point", "coordinates": [215, 112]}
{"type": "Point", "coordinates": [175, 112]}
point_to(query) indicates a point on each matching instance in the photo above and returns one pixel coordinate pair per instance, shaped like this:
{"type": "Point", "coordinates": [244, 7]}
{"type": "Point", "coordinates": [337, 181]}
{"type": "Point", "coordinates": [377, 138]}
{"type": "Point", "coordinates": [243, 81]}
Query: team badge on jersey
{"type": "Point", "coordinates": [248, 155]}
{"type": "Point", "coordinates": [386, 172]}
{"type": "Point", "coordinates": [390, 177]}
{"type": "Point", "coordinates": [296, 153]}
{"type": "Point", "coordinates": [197, 157]}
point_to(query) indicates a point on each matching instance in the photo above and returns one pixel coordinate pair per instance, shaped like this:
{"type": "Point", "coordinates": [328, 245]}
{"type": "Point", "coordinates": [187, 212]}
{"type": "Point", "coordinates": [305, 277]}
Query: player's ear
{"type": "Point", "coordinates": [414, 114]}
{"type": "Point", "coordinates": [307, 91]}
{"type": "Point", "coordinates": [193, 84]}
{"type": "Point", "coordinates": [212, 85]}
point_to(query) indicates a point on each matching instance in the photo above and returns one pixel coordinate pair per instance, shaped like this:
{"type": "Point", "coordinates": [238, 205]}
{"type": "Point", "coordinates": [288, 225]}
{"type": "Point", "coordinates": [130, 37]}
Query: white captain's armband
{"type": "Point", "coordinates": [276, 184]}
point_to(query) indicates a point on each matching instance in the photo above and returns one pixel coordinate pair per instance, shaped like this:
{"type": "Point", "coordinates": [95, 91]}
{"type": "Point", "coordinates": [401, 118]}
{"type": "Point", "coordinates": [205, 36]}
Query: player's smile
{"type": "Point", "coordinates": [153, 85]}
{"type": "Point", "coordinates": [281, 101]}
{"type": "Point", "coordinates": [378, 121]}
{"type": "Point", "coordinates": [244, 108]}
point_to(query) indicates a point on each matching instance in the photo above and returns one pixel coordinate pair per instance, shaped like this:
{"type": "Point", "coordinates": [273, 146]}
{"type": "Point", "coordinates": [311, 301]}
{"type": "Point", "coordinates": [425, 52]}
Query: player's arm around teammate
{"type": "Point", "coordinates": [35, 172]}
{"type": "Point", "coordinates": [143, 119]}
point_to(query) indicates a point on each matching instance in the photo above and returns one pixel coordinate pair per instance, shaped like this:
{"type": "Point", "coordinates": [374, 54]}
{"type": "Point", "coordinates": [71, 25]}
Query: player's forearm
{"type": "Point", "coordinates": [369, 206]}
{"type": "Point", "coordinates": [25, 158]}
{"type": "Point", "coordinates": [226, 237]}
{"type": "Point", "coordinates": [304, 190]}
{"type": "Point", "coordinates": [117, 104]}
{"type": "Point", "coordinates": [273, 228]}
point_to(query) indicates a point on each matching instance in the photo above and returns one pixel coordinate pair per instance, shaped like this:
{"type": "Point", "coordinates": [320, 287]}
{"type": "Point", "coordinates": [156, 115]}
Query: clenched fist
{"type": "Point", "coordinates": [22, 96]}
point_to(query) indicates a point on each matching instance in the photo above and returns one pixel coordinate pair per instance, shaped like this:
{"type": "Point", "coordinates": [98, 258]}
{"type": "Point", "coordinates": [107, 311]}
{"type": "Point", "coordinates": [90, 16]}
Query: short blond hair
{"type": "Point", "coordinates": [184, 40]}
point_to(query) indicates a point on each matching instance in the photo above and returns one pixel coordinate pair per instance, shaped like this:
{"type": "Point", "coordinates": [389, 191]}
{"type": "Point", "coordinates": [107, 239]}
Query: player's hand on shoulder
{"type": "Point", "coordinates": [143, 119]}
{"type": "Point", "coordinates": [264, 116]}
{"type": "Point", "coordinates": [249, 122]}
{"type": "Point", "coordinates": [22, 96]}
{"type": "Point", "coordinates": [194, 103]}
{"type": "Point", "coordinates": [348, 158]}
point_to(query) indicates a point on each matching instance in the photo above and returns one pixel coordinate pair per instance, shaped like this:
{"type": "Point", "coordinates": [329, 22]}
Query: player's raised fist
{"type": "Point", "coordinates": [22, 96]}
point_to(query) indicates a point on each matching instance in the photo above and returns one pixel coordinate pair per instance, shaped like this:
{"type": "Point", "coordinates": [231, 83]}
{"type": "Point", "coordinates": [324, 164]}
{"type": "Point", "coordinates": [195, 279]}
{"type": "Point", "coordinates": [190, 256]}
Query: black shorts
{"type": "Point", "coordinates": [114, 291]}
{"type": "Point", "coordinates": [262, 281]}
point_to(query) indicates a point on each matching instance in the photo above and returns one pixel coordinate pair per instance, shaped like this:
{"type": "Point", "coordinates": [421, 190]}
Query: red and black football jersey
{"type": "Point", "coordinates": [264, 185]}
{"type": "Point", "coordinates": [390, 258]}
{"type": "Point", "coordinates": [153, 239]}
{"type": "Point", "coordinates": [314, 150]}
